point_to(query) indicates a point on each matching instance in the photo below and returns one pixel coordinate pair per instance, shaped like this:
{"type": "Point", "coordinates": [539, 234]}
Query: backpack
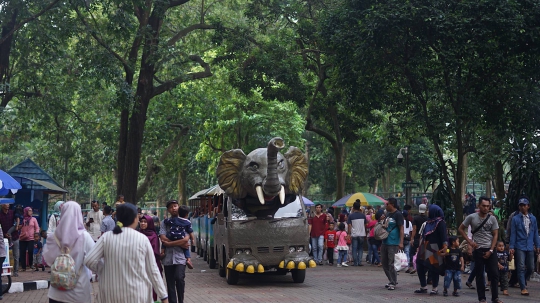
{"type": "Point", "coordinates": [381, 231]}
{"type": "Point", "coordinates": [63, 274]}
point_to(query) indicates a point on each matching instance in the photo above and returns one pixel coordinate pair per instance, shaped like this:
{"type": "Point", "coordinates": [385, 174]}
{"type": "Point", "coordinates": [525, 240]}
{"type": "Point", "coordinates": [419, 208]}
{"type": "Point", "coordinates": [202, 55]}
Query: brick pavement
{"type": "Point", "coordinates": [322, 284]}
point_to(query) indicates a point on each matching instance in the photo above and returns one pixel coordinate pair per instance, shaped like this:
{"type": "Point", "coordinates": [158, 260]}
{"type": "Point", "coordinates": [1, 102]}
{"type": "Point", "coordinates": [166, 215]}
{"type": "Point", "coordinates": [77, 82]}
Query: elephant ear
{"type": "Point", "coordinates": [298, 169]}
{"type": "Point", "coordinates": [228, 172]}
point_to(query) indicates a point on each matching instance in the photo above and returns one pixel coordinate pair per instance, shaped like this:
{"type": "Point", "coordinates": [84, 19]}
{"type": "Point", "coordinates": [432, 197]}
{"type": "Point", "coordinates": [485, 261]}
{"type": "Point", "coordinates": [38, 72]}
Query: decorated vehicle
{"type": "Point", "coordinates": [6, 269]}
{"type": "Point", "coordinates": [260, 222]}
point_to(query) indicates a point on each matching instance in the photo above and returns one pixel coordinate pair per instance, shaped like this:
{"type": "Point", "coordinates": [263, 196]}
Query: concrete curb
{"type": "Point", "coordinates": [17, 287]}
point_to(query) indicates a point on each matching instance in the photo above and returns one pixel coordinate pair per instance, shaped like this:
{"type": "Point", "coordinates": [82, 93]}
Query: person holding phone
{"type": "Point", "coordinates": [93, 221]}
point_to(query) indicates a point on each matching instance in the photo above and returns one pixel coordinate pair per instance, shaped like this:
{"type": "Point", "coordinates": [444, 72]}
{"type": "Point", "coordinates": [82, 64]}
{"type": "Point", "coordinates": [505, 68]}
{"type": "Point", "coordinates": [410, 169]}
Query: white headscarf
{"type": "Point", "coordinates": [69, 233]}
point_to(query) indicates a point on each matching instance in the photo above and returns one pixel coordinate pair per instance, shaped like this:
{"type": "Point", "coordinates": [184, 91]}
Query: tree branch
{"type": "Point", "coordinates": [168, 85]}
{"type": "Point", "coordinates": [181, 34]}
{"type": "Point", "coordinates": [173, 3]}
{"type": "Point", "coordinates": [125, 64]}
{"type": "Point", "coordinates": [31, 18]}
{"type": "Point", "coordinates": [213, 147]}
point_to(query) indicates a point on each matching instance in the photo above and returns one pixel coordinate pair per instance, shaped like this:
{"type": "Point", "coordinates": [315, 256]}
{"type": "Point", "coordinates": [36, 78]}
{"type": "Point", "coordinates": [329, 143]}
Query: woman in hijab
{"type": "Point", "coordinates": [54, 218]}
{"type": "Point", "coordinates": [30, 226]}
{"type": "Point", "coordinates": [147, 228]}
{"type": "Point", "coordinates": [130, 270]}
{"type": "Point", "coordinates": [433, 241]}
{"type": "Point", "coordinates": [70, 233]}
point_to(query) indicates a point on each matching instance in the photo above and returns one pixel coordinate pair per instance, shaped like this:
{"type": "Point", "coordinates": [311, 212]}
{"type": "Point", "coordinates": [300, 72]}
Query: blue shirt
{"type": "Point", "coordinates": [173, 255]}
{"type": "Point", "coordinates": [518, 236]}
{"type": "Point", "coordinates": [107, 224]}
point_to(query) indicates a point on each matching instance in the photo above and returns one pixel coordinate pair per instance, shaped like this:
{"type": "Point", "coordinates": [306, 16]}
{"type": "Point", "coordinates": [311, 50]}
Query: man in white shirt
{"type": "Point", "coordinates": [93, 221]}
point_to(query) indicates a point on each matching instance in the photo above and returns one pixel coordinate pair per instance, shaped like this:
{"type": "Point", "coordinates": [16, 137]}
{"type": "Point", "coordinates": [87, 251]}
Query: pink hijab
{"type": "Point", "coordinates": [27, 217]}
{"type": "Point", "coordinates": [69, 233]}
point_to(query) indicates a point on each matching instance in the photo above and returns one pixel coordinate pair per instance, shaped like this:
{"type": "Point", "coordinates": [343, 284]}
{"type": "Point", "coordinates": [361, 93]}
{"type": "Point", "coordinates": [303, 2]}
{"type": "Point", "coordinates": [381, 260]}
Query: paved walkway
{"type": "Point", "coordinates": [322, 284]}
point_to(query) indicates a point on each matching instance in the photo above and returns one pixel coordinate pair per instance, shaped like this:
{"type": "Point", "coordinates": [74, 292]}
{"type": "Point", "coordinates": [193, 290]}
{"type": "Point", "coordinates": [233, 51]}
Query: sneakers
{"type": "Point", "coordinates": [391, 287]}
{"type": "Point", "coordinates": [339, 265]}
{"type": "Point", "coordinates": [469, 285]}
{"type": "Point", "coordinates": [421, 291]}
{"type": "Point", "coordinates": [344, 264]}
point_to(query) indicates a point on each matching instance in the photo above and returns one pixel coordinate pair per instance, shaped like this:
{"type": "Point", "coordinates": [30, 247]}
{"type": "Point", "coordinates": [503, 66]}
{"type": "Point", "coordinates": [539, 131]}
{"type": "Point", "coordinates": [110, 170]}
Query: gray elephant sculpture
{"type": "Point", "coordinates": [265, 179]}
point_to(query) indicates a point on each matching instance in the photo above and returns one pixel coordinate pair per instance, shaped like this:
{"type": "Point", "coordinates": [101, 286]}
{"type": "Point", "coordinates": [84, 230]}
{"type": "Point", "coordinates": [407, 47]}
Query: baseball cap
{"type": "Point", "coordinates": [171, 202]}
{"type": "Point", "coordinates": [422, 208]}
{"type": "Point", "coordinates": [523, 201]}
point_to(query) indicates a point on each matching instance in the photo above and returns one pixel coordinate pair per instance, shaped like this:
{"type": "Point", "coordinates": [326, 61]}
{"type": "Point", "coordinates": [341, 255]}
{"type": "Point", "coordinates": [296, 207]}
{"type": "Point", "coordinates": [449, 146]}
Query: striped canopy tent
{"type": "Point", "coordinates": [365, 200]}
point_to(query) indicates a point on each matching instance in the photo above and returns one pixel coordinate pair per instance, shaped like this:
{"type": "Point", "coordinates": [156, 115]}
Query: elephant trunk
{"type": "Point", "coordinates": [272, 186]}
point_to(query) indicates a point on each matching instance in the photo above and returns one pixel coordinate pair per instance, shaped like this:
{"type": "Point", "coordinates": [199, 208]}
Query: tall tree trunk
{"type": "Point", "coordinates": [307, 183]}
{"type": "Point", "coordinates": [461, 182]}
{"type": "Point", "coordinates": [488, 188]}
{"type": "Point", "coordinates": [121, 156]}
{"type": "Point", "coordinates": [5, 53]}
{"type": "Point", "coordinates": [499, 180]}
{"type": "Point", "coordinates": [182, 198]}
{"type": "Point", "coordinates": [339, 151]}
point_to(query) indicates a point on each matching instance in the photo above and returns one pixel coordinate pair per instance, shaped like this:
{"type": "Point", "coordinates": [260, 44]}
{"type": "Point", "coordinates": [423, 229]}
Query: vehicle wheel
{"type": "Point", "coordinates": [6, 286]}
{"type": "Point", "coordinates": [232, 276]}
{"type": "Point", "coordinates": [298, 275]}
{"type": "Point", "coordinates": [222, 272]}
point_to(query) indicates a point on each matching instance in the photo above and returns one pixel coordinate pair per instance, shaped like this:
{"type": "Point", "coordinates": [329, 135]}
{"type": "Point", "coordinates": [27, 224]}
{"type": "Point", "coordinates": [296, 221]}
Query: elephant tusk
{"type": "Point", "coordinates": [282, 195]}
{"type": "Point", "coordinates": [260, 194]}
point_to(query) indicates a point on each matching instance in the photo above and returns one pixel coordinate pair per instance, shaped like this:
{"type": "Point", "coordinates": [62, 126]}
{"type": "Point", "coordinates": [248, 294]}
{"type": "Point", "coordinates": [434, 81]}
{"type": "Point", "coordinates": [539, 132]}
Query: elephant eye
{"type": "Point", "coordinates": [253, 166]}
{"type": "Point", "coordinates": [280, 164]}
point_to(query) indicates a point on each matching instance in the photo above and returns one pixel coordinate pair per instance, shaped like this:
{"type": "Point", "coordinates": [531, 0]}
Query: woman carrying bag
{"type": "Point", "coordinates": [70, 236]}
{"type": "Point", "coordinates": [433, 241]}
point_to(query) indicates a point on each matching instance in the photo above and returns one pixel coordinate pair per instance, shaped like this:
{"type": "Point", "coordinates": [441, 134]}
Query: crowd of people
{"type": "Point", "coordinates": [431, 249]}
{"type": "Point", "coordinates": [128, 254]}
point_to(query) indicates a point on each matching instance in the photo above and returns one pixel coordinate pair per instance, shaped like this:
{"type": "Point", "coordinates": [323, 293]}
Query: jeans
{"type": "Point", "coordinates": [407, 250]}
{"type": "Point", "coordinates": [369, 256]}
{"type": "Point", "coordinates": [26, 246]}
{"type": "Point", "coordinates": [388, 256]}
{"type": "Point", "coordinates": [16, 255]}
{"type": "Point", "coordinates": [342, 257]}
{"type": "Point", "coordinates": [374, 244]}
{"type": "Point", "coordinates": [503, 278]}
{"type": "Point", "coordinates": [330, 255]}
{"type": "Point", "coordinates": [317, 246]}
{"type": "Point", "coordinates": [357, 250]}
{"type": "Point", "coordinates": [175, 275]}
{"type": "Point", "coordinates": [524, 266]}
{"type": "Point", "coordinates": [452, 275]}
{"type": "Point", "coordinates": [422, 269]}
{"type": "Point", "coordinates": [491, 267]}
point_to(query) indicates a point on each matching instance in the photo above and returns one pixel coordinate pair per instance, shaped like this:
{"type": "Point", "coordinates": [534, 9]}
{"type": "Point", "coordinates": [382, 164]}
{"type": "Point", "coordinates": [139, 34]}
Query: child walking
{"type": "Point", "coordinates": [343, 248]}
{"type": "Point", "coordinates": [454, 266]}
{"type": "Point", "coordinates": [503, 258]}
{"type": "Point", "coordinates": [38, 247]}
{"type": "Point", "coordinates": [329, 243]}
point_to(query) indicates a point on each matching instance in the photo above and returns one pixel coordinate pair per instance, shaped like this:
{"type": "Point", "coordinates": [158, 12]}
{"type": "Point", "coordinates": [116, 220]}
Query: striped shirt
{"type": "Point", "coordinates": [129, 271]}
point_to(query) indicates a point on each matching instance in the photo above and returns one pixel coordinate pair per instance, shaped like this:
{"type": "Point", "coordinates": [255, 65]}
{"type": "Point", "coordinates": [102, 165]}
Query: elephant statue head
{"type": "Point", "coordinates": [264, 176]}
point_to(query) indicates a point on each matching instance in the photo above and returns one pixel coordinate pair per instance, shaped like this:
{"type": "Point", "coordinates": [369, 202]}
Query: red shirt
{"type": "Point", "coordinates": [330, 237]}
{"type": "Point", "coordinates": [318, 225]}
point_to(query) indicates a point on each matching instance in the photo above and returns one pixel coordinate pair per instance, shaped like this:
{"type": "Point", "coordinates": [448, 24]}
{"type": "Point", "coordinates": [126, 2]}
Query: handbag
{"type": "Point", "coordinates": [512, 265]}
{"type": "Point", "coordinates": [400, 260]}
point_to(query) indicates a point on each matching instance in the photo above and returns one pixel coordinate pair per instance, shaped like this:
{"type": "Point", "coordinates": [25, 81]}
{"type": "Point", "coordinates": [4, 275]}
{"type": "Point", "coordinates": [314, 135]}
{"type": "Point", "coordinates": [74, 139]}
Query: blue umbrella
{"type": "Point", "coordinates": [7, 184]}
{"type": "Point", "coordinates": [307, 202]}
{"type": "Point", "coordinates": [7, 200]}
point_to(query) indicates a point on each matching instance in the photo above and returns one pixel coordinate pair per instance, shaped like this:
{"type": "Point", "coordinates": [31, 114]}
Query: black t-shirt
{"type": "Point", "coordinates": [452, 259]}
{"type": "Point", "coordinates": [418, 221]}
